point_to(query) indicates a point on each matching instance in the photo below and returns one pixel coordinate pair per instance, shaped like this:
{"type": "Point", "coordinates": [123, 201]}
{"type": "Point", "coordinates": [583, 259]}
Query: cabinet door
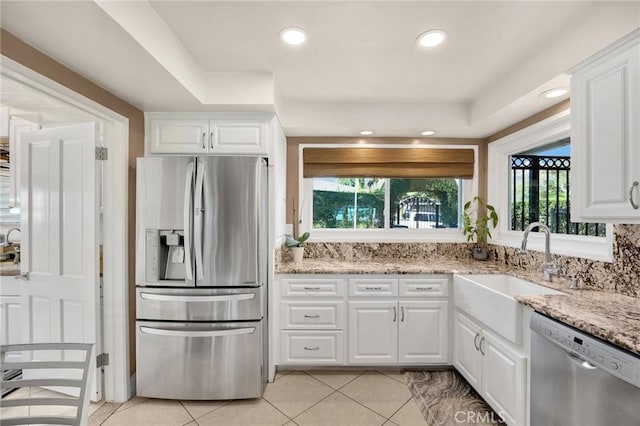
{"type": "Point", "coordinates": [605, 138]}
{"type": "Point", "coordinates": [423, 332]}
{"type": "Point", "coordinates": [466, 354]}
{"type": "Point", "coordinates": [503, 379]}
{"type": "Point", "coordinates": [232, 135]}
{"type": "Point", "coordinates": [179, 136]}
{"type": "Point", "coordinates": [373, 332]}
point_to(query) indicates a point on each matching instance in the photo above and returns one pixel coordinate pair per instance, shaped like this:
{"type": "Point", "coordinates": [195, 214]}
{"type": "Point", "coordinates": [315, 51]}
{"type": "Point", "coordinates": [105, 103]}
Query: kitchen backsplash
{"type": "Point", "coordinates": [620, 276]}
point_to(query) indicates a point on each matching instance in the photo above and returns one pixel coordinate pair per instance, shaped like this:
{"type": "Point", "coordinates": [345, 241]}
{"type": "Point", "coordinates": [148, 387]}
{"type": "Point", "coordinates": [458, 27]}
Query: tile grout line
{"type": "Point", "coordinates": [188, 412]}
{"type": "Point", "coordinates": [401, 407]}
{"type": "Point", "coordinates": [360, 403]}
{"type": "Point", "coordinates": [277, 409]}
{"type": "Point", "coordinates": [224, 404]}
{"type": "Point", "coordinates": [313, 377]}
{"type": "Point", "coordinates": [304, 411]}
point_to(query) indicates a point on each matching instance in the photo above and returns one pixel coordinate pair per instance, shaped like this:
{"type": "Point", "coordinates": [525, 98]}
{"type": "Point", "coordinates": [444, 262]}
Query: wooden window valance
{"type": "Point", "coordinates": [388, 162]}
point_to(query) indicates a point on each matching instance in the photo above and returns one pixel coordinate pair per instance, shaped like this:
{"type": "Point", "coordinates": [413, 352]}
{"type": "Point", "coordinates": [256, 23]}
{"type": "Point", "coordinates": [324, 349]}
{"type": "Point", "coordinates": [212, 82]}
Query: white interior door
{"type": "Point", "coordinates": [59, 227]}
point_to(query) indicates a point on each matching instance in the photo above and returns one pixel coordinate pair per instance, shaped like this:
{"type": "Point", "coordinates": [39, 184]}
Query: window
{"type": "Point", "coordinates": [541, 150]}
{"type": "Point", "coordinates": [540, 183]}
{"type": "Point", "coordinates": [378, 203]}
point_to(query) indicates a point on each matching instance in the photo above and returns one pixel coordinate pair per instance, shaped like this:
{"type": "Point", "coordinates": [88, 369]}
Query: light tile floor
{"type": "Point", "coordinates": [310, 398]}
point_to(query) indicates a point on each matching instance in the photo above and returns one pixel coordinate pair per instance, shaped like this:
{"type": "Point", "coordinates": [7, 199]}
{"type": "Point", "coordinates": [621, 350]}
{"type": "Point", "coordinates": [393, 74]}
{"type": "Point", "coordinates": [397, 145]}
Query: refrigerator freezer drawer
{"type": "Point", "coordinates": [199, 361]}
{"type": "Point", "coordinates": [173, 304]}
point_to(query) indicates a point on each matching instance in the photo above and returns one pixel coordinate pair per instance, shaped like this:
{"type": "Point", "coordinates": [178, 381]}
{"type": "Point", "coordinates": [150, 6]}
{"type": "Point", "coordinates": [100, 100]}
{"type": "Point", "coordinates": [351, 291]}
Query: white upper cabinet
{"type": "Point", "coordinates": [212, 133]}
{"type": "Point", "coordinates": [605, 135]}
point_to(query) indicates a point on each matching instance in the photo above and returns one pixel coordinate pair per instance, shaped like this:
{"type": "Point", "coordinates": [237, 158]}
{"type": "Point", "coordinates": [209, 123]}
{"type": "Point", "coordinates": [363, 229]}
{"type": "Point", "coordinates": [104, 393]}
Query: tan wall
{"type": "Point", "coordinates": [293, 144]}
{"type": "Point", "coordinates": [542, 115]}
{"type": "Point", "coordinates": [14, 48]}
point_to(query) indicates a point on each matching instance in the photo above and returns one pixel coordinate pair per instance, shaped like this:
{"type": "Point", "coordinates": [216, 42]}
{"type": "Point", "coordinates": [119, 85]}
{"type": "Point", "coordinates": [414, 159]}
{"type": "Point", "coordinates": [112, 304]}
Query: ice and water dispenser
{"type": "Point", "coordinates": [165, 255]}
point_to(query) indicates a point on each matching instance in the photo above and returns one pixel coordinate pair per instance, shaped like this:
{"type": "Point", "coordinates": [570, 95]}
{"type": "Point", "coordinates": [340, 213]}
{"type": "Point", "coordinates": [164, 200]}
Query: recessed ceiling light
{"type": "Point", "coordinates": [554, 93]}
{"type": "Point", "coordinates": [431, 38]}
{"type": "Point", "coordinates": [428, 133]}
{"type": "Point", "coordinates": [293, 36]}
{"type": "Point", "coordinates": [366, 132]}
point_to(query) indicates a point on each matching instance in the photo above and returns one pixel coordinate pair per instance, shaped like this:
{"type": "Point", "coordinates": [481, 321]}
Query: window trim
{"type": "Point", "coordinates": [547, 131]}
{"type": "Point", "coordinates": [305, 194]}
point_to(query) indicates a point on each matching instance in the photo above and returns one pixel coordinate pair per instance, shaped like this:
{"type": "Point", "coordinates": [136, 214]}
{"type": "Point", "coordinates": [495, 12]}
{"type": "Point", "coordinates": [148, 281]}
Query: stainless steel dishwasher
{"type": "Point", "coordinates": [579, 380]}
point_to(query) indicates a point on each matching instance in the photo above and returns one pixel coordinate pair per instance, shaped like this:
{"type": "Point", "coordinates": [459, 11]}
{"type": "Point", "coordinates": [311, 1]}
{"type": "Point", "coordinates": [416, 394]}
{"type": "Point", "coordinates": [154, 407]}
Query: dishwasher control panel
{"type": "Point", "coordinates": [603, 355]}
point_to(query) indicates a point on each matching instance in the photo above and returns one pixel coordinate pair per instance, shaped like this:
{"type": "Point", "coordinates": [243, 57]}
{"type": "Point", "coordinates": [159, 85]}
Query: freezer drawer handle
{"type": "Point", "coordinates": [196, 333]}
{"type": "Point", "coordinates": [180, 298]}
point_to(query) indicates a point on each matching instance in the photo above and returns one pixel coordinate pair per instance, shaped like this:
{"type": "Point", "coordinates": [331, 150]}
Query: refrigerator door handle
{"type": "Point", "coordinates": [180, 298]}
{"type": "Point", "coordinates": [198, 208]}
{"type": "Point", "coordinates": [187, 221]}
{"type": "Point", "coordinates": [197, 333]}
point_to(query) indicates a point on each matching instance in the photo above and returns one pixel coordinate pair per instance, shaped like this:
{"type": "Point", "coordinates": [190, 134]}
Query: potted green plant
{"type": "Point", "coordinates": [296, 242]}
{"type": "Point", "coordinates": [478, 217]}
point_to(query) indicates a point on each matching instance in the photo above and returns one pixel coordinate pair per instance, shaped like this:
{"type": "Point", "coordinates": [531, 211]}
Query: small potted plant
{"type": "Point", "coordinates": [296, 242]}
{"type": "Point", "coordinates": [485, 217]}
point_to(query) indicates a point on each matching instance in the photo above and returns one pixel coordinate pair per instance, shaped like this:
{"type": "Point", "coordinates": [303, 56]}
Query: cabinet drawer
{"type": "Point", "coordinates": [312, 347]}
{"type": "Point", "coordinates": [312, 314]}
{"type": "Point", "coordinates": [318, 287]}
{"type": "Point", "coordinates": [424, 287]}
{"type": "Point", "coordinates": [373, 287]}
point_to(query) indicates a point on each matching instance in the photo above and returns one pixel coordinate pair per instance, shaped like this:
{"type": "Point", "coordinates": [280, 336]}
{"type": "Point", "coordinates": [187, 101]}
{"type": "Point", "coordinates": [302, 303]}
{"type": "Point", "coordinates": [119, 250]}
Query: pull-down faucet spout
{"type": "Point", "coordinates": [548, 268]}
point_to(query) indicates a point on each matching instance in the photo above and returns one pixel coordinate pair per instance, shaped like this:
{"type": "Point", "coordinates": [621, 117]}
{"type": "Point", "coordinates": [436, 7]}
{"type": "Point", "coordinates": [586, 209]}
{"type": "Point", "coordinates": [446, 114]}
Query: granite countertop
{"type": "Point", "coordinates": [8, 268]}
{"type": "Point", "coordinates": [610, 316]}
{"type": "Point", "coordinates": [386, 266]}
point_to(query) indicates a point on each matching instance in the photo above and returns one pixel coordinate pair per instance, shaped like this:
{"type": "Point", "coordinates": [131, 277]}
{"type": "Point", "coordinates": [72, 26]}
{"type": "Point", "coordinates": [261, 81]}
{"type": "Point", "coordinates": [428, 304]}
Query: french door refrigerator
{"type": "Point", "coordinates": [201, 259]}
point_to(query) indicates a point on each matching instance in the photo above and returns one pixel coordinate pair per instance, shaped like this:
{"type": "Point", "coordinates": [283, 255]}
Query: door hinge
{"type": "Point", "coordinates": [102, 360]}
{"type": "Point", "coordinates": [102, 153]}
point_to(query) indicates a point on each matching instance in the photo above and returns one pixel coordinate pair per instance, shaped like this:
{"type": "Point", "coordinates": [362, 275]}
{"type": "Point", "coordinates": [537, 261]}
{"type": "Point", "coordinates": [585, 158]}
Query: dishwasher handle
{"type": "Point", "coordinates": [577, 360]}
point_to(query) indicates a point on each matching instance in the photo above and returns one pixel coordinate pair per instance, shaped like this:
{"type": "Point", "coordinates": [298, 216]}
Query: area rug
{"type": "Point", "coordinates": [446, 399]}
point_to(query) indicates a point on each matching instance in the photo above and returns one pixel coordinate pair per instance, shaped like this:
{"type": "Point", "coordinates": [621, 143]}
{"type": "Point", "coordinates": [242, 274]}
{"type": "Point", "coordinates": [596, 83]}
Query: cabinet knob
{"type": "Point", "coordinates": [634, 204]}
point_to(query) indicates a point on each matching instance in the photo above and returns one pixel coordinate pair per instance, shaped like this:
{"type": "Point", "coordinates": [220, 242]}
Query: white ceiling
{"type": "Point", "coordinates": [360, 67]}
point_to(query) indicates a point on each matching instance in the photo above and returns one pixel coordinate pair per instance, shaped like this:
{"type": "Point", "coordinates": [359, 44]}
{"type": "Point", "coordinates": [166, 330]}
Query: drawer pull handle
{"type": "Point", "coordinates": [311, 316]}
{"type": "Point", "coordinates": [312, 288]}
{"type": "Point", "coordinates": [424, 288]}
{"type": "Point", "coordinates": [311, 348]}
{"type": "Point", "coordinates": [373, 288]}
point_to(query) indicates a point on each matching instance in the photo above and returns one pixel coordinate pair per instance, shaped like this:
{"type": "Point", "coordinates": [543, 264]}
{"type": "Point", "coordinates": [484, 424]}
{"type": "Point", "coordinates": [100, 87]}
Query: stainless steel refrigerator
{"type": "Point", "coordinates": [201, 275]}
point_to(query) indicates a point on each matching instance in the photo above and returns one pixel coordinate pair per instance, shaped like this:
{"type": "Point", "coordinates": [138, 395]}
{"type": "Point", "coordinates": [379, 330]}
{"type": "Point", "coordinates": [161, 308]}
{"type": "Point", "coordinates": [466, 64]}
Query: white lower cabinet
{"type": "Point", "coordinates": [404, 332]}
{"type": "Point", "coordinates": [373, 332]}
{"type": "Point", "coordinates": [362, 320]}
{"type": "Point", "coordinates": [423, 332]}
{"type": "Point", "coordinates": [494, 369]}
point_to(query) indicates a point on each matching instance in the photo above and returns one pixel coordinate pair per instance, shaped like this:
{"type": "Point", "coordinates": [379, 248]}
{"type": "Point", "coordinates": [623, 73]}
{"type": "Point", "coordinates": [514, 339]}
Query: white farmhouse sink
{"type": "Point", "coordinates": [490, 299]}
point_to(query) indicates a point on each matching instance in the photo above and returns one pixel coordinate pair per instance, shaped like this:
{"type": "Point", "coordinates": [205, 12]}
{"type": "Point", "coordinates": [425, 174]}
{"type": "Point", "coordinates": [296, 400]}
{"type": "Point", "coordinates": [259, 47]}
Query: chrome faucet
{"type": "Point", "coordinates": [548, 269]}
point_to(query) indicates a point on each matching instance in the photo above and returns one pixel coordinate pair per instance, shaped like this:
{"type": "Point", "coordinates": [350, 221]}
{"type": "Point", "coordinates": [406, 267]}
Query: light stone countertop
{"type": "Point", "coordinates": [387, 266]}
{"type": "Point", "coordinates": [612, 317]}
